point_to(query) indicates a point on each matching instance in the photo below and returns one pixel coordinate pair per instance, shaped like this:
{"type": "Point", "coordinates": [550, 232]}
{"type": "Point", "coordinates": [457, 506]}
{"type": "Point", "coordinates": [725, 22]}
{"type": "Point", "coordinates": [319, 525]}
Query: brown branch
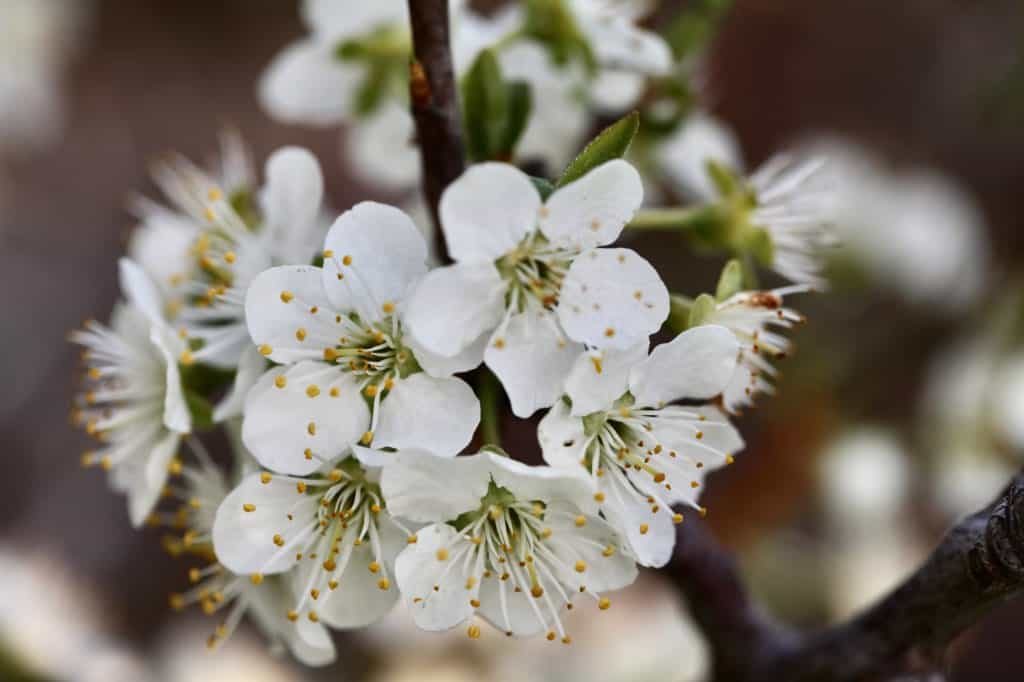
{"type": "Point", "coordinates": [435, 105]}
{"type": "Point", "coordinates": [978, 565]}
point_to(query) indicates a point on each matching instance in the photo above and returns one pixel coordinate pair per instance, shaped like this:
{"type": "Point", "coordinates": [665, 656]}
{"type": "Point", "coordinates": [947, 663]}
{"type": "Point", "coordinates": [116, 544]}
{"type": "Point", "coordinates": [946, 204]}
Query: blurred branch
{"type": "Point", "coordinates": [435, 106]}
{"type": "Point", "coordinates": [978, 565]}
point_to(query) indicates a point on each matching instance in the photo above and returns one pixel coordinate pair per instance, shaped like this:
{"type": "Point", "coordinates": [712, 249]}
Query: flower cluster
{"type": "Point", "coordinates": [350, 376]}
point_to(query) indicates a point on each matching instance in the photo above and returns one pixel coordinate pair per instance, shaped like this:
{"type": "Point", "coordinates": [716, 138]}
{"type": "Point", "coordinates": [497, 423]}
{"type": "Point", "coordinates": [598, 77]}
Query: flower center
{"type": "Point", "coordinates": [534, 270]}
{"type": "Point", "coordinates": [373, 353]}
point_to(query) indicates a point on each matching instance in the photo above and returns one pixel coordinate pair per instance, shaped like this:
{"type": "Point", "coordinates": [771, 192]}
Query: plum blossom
{"type": "Point", "coordinates": [511, 543]}
{"type": "Point", "coordinates": [530, 285]}
{"type": "Point", "coordinates": [329, 535]}
{"type": "Point", "coordinates": [642, 453]}
{"type": "Point", "coordinates": [134, 404]}
{"type": "Point", "coordinates": [755, 317]}
{"type": "Point", "coordinates": [347, 370]}
{"type": "Point", "coordinates": [226, 594]}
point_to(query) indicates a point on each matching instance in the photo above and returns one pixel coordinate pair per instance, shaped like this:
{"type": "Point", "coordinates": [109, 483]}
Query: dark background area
{"type": "Point", "coordinates": [936, 82]}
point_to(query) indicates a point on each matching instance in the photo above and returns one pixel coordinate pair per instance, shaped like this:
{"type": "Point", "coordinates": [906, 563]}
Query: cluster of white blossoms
{"type": "Point", "coordinates": [345, 370]}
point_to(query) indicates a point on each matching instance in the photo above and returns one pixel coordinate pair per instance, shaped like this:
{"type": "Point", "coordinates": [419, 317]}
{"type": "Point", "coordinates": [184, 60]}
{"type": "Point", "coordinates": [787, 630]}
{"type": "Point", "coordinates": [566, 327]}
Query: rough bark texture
{"type": "Point", "coordinates": [435, 104]}
{"type": "Point", "coordinates": [978, 565]}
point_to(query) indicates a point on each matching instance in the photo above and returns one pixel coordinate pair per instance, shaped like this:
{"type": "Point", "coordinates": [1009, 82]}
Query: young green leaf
{"type": "Point", "coordinates": [702, 309]}
{"type": "Point", "coordinates": [612, 143]}
{"type": "Point", "coordinates": [519, 104]}
{"type": "Point", "coordinates": [485, 107]}
{"type": "Point", "coordinates": [730, 282]}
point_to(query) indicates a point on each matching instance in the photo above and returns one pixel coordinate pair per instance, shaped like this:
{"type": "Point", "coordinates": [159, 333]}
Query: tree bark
{"type": "Point", "coordinates": [977, 566]}
{"type": "Point", "coordinates": [435, 105]}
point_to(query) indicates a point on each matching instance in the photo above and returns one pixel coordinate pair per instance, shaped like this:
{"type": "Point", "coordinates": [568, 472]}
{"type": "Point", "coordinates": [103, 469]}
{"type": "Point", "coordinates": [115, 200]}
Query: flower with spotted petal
{"type": "Point", "coordinates": [530, 286]}
{"type": "Point", "coordinates": [511, 543]}
{"type": "Point", "coordinates": [642, 453]}
{"type": "Point", "coordinates": [347, 370]}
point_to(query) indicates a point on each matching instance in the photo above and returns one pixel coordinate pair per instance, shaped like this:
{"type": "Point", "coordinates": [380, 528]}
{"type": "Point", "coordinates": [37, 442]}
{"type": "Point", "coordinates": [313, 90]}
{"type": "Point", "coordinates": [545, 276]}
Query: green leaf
{"type": "Point", "coordinates": [759, 244]}
{"type": "Point", "coordinates": [679, 312]}
{"type": "Point", "coordinates": [544, 187]}
{"type": "Point", "coordinates": [612, 143]}
{"type": "Point", "coordinates": [723, 177]}
{"type": "Point", "coordinates": [519, 104]}
{"type": "Point", "coordinates": [702, 309]}
{"type": "Point", "coordinates": [730, 282]}
{"type": "Point", "coordinates": [484, 107]}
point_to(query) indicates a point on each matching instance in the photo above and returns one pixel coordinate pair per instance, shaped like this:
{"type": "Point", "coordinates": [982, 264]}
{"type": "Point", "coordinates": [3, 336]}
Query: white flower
{"type": "Point", "coordinates": [330, 534]}
{"type": "Point", "coordinates": [529, 281]}
{"type": "Point", "coordinates": [643, 454]}
{"type": "Point", "coordinates": [625, 53]}
{"type": "Point", "coordinates": [754, 316]}
{"type": "Point", "coordinates": [338, 332]}
{"type": "Point", "coordinates": [218, 589]}
{"type": "Point", "coordinates": [789, 198]}
{"type": "Point", "coordinates": [511, 543]}
{"type": "Point", "coordinates": [134, 404]}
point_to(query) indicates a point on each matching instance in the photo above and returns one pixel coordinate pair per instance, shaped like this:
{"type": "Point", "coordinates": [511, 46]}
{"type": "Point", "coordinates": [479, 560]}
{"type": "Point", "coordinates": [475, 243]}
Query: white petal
{"type": "Point", "coordinates": [542, 483]}
{"type": "Point", "coordinates": [651, 536]}
{"type": "Point", "coordinates": [592, 210]}
{"type": "Point", "coordinates": [250, 367]}
{"type": "Point", "coordinates": [531, 357]}
{"type": "Point", "coordinates": [284, 425]}
{"type": "Point", "coordinates": [140, 291]}
{"type": "Point", "coordinates": [176, 413]}
{"type": "Point", "coordinates": [335, 21]}
{"type": "Point", "coordinates": [440, 366]}
{"type": "Point", "coordinates": [379, 254]}
{"type": "Point", "coordinates": [244, 540]}
{"type": "Point", "coordinates": [600, 377]}
{"type": "Point", "coordinates": [696, 364]}
{"type": "Point", "coordinates": [358, 601]}
{"type": "Point", "coordinates": [431, 489]}
{"type": "Point", "coordinates": [684, 155]}
{"type": "Point", "coordinates": [615, 91]}
{"type": "Point", "coordinates": [604, 571]}
{"type": "Point", "coordinates": [487, 211]}
{"type": "Point", "coordinates": [418, 571]}
{"type": "Point", "coordinates": [438, 415]}
{"type": "Point", "coordinates": [306, 84]}
{"type": "Point", "coordinates": [382, 148]}
{"type": "Point", "coordinates": [562, 438]}
{"type": "Point", "coordinates": [453, 306]}
{"type": "Point", "coordinates": [612, 298]}
{"type": "Point", "coordinates": [282, 301]}
{"type": "Point", "coordinates": [292, 194]}
{"type": "Point", "coordinates": [517, 617]}
{"type": "Point", "coordinates": [308, 642]}
{"type": "Point", "coordinates": [160, 245]}
{"type": "Point", "coordinates": [618, 44]}
{"type": "Point", "coordinates": [145, 490]}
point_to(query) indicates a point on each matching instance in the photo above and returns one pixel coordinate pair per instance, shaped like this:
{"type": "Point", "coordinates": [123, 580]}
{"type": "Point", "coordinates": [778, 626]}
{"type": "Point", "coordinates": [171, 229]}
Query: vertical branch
{"type": "Point", "coordinates": [435, 105]}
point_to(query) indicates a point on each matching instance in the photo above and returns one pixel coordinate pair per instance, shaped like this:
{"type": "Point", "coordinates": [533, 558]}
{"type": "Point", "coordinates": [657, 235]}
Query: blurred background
{"type": "Point", "coordinates": [901, 409]}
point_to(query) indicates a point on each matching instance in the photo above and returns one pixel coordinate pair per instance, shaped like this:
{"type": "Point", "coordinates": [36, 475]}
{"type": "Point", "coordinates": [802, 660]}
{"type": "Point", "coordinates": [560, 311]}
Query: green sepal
{"type": "Point", "coordinates": [200, 408]}
{"type": "Point", "coordinates": [702, 310]}
{"type": "Point", "coordinates": [730, 282]}
{"type": "Point", "coordinates": [611, 143]}
{"type": "Point", "coordinates": [679, 312]}
{"type": "Point", "coordinates": [758, 243]}
{"type": "Point", "coordinates": [723, 177]}
{"type": "Point", "coordinates": [544, 187]}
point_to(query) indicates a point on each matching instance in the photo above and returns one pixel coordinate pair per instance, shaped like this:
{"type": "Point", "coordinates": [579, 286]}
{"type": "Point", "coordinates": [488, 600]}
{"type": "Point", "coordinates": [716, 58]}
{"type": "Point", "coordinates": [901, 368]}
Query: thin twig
{"type": "Point", "coordinates": [435, 105]}
{"type": "Point", "coordinates": [977, 566]}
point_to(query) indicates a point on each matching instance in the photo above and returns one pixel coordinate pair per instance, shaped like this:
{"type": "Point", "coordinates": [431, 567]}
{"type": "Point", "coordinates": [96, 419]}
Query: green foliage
{"type": "Point", "coordinates": [612, 143]}
{"type": "Point", "coordinates": [695, 26]}
{"type": "Point", "coordinates": [730, 282]}
{"type": "Point", "coordinates": [701, 310]}
{"type": "Point", "coordinates": [200, 408]}
{"type": "Point", "coordinates": [551, 23]}
{"type": "Point", "coordinates": [494, 111]}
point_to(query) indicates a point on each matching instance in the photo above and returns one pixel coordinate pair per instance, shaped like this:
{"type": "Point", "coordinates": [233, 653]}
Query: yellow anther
{"type": "Point", "coordinates": [256, 578]}
{"type": "Point", "coordinates": [677, 519]}
{"type": "Point", "coordinates": [546, 533]}
{"type": "Point", "coordinates": [293, 616]}
{"type": "Point", "coordinates": [346, 260]}
{"type": "Point", "coordinates": [248, 507]}
{"type": "Point", "coordinates": [383, 583]}
{"type": "Point", "coordinates": [599, 497]}
{"type": "Point", "coordinates": [311, 428]}
{"type": "Point", "coordinates": [375, 508]}
{"type": "Point", "coordinates": [609, 332]}
{"type": "Point", "coordinates": [388, 307]}
{"type": "Point", "coordinates": [300, 334]}
{"type": "Point", "coordinates": [280, 381]}
{"type": "Point", "coordinates": [330, 355]}
{"type": "Point", "coordinates": [581, 521]}
{"type": "Point", "coordinates": [551, 636]}
{"type": "Point", "coordinates": [329, 565]}
{"type": "Point", "coordinates": [604, 603]}
{"type": "Point", "coordinates": [287, 296]}
{"type": "Point", "coordinates": [499, 343]}
{"type": "Point", "coordinates": [300, 487]}
{"type": "Point", "coordinates": [644, 528]}
{"type": "Point", "coordinates": [176, 601]}
{"type": "Point", "coordinates": [581, 566]}
{"type": "Point", "coordinates": [107, 464]}
{"type": "Point", "coordinates": [374, 567]}
{"type": "Point", "coordinates": [334, 392]}
{"type": "Point", "coordinates": [473, 631]}
{"type": "Point", "coordinates": [442, 554]}
{"type": "Point", "coordinates": [214, 194]}
{"type": "Point", "coordinates": [333, 584]}
{"type": "Point", "coordinates": [412, 540]}
{"type": "Point", "coordinates": [729, 459]}
{"type": "Point", "coordinates": [537, 591]}
{"type": "Point", "coordinates": [694, 484]}
{"type": "Point", "coordinates": [186, 358]}
{"type": "Point", "coordinates": [328, 254]}
{"type": "Point", "coordinates": [266, 350]}
{"type": "Point", "coordinates": [370, 390]}
{"type": "Point", "coordinates": [312, 390]}
{"type": "Point", "coordinates": [659, 477]}
{"type": "Point", "coordinates": [307, 453]}
{"type": "Point", "coordinates": [230, 257]}
{"type": "Point", "coordinates": [608, 551]}
{"type": "Point", "coordinates": [567, 640]}
{"type": "Point", "coordinates": [314, 593]}
{"type": "Point", "coordinates": [475, 603]}
{"type": "Point", "coordinates": [367, 438]}
{"type": "Point", "coordinates": [194, 575]}
{"type": "Point", "coordinates": [278, 540]}
{"type": "Point", "coordinates": [313, 618]}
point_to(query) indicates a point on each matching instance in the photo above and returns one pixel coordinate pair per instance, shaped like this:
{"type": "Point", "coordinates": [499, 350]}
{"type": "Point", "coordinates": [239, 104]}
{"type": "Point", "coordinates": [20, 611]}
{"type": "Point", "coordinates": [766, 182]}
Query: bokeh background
{"type": "Point", "coordinates": [850, 474]}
